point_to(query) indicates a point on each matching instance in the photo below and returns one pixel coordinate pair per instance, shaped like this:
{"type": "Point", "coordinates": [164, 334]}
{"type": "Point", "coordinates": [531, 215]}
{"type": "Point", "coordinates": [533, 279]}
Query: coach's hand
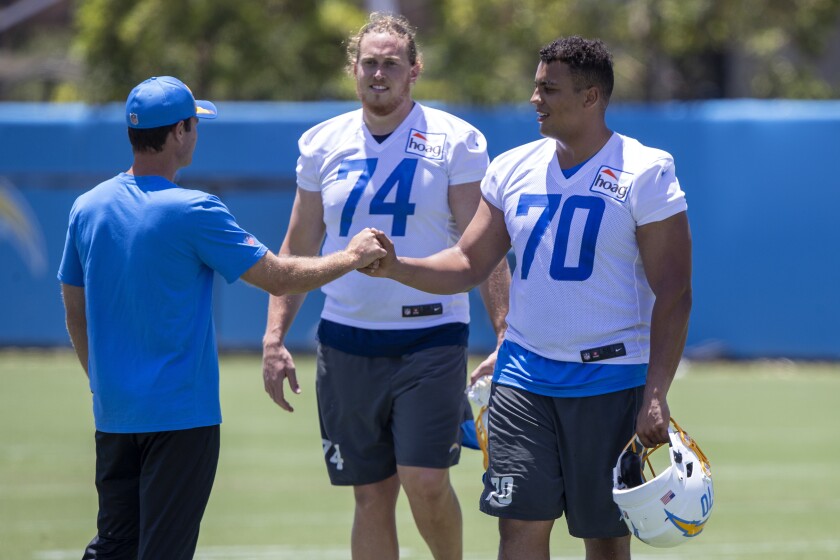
{"type": "Point", "coordinates": [278, 366]}
{"type": "Point", "coordinates": [382, 267]}
{"type": "Point", "coordinates": [366, 247]}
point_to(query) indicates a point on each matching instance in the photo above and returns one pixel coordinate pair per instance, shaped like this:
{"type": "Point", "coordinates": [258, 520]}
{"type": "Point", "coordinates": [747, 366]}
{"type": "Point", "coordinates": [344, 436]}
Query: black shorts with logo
{"type": "Point", "coordinates": [379, 412]}
{"type": "Point", "coordinates": [552, 456]}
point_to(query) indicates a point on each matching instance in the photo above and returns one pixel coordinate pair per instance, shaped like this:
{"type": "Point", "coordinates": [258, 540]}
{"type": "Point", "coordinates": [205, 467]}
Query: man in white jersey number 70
{"type": "Point", "coordinates": [599, 306]}
{"type": "Point", "coordinates": [391, 359]}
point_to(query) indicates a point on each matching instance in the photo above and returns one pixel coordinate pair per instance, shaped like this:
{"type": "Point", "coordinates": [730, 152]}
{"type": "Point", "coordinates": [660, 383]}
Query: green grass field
{"type": "Point", "coordinates": [771, 431]}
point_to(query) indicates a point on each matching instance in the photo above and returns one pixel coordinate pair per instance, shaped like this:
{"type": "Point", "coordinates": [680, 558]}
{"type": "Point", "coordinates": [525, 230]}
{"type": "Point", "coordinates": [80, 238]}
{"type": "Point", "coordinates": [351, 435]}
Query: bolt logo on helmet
{"type": "Point", "coordinates": [673, 507]}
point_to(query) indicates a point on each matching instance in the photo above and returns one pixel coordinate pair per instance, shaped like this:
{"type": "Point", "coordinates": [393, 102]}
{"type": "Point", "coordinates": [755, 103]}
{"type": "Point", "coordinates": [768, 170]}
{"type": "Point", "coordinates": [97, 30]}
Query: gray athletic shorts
{"type": "Point", "coordinates": [377, 413]}
{"type": "Point", "coordinates": [550, 456]}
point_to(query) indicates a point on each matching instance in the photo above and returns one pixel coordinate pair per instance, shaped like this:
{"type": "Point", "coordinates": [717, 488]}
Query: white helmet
{"type": "Point", "coordinates": [673, 507]}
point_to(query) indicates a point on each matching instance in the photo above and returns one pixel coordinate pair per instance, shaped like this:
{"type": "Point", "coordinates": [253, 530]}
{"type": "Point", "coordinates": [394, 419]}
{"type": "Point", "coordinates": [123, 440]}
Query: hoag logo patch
{"type": "Point", "coordinates": [613, 183]}
{"type": "Point", "coordinates": [426, 144]}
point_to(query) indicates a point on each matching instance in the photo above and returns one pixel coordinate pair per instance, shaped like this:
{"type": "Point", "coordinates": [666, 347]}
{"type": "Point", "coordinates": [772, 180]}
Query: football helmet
{"type": "Point", "coordinates": [673, 507]}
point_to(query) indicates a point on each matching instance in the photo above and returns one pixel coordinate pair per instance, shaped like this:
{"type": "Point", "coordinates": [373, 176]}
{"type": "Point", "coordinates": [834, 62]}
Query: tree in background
{"type": "Point", "coordinates": [34, 39]}
{"type": "Point", "coordinates": [477, 51]}
{"type": "Point", "coordinates": [245, 50]}
{"type": "Point", "coordinates": [485, 51]}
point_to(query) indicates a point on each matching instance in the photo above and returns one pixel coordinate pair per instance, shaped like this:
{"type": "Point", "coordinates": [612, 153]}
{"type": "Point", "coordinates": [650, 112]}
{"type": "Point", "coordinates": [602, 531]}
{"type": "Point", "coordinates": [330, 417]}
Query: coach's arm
{"type": "Point", "coordinates": [281, 275]}
{"type": "Point", "coordinates": [76, 319]}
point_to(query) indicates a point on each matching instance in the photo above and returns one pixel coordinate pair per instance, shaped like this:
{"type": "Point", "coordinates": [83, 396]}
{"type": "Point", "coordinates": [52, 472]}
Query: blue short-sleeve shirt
{"type": "Point", "coordinates": [145, 251]}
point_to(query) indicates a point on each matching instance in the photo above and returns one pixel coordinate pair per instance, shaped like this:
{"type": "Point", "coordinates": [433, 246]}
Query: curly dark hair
{"type": "Point", "coordinates": [588, 59]}
{"type": "Point", "coordinates": [381, 22]}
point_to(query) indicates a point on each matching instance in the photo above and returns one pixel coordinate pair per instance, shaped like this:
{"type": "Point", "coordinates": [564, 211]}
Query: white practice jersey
{"type": "Point", "coordinates": [400, 187]}
{"type": "Point", "coordinates": [579, 288]}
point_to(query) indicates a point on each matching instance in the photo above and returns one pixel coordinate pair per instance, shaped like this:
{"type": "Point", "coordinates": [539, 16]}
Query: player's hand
{"type": "Point", "coordinates": [278, 366]}
{"type": "Point", "coordinates": [384, 266]}
{"type": "Point", "coordinates": [366, 247]}
{"type": "Point", "coordinates": [652, 422]}
{"type": "Point", "coordinates": [484, 368]}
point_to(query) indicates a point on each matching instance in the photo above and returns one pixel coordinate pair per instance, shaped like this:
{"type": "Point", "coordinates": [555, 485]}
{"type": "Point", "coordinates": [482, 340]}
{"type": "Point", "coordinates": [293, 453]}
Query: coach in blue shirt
{"type": "Point", "coordinates": [137, 281]}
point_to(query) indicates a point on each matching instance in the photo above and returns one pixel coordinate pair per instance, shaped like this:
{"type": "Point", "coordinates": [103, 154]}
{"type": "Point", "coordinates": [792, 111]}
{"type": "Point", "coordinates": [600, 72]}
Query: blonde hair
{"type": "Point", "coordinates": [381, 22]}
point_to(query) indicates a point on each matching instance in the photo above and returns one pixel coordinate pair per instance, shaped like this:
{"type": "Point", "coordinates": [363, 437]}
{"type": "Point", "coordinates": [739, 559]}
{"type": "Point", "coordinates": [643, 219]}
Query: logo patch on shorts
{"type": "Point", "coordinates": [613, 183]}
{"type": "Point", "coordinates": [425, 144]}
{"type": "Point", "coordinates": [502, 490]}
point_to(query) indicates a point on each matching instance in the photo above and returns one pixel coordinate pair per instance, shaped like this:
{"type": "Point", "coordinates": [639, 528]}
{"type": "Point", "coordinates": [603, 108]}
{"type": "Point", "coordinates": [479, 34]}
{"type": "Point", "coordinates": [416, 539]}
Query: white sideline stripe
{"type": "Point", "coordinates": [696, 551]}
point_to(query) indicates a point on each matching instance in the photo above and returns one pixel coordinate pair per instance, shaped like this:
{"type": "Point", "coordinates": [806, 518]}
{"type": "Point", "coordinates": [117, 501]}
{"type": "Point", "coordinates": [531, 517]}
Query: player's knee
{"type": "Point", "coordinates": [426, 484]}
{"type": "Point", "coordinates": [525, 535]}
{"type": "Point", "coordinates": [608, 549]}
{"type": "Point", "coordinates": [378, 494]}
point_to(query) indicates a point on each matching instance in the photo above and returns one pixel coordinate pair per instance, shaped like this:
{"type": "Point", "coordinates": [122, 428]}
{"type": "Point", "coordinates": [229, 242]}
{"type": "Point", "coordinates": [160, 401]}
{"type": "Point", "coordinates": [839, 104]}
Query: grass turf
{"type": "Point", "coordinates": [770, 429]}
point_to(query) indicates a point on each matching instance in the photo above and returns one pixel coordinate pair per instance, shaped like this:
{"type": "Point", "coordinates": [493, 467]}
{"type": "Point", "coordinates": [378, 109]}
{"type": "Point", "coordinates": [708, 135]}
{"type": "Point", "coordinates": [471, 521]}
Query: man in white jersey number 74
{"type": "Point", "coordinates": [391, 359]}
{"type": "Point", "coordinates": [599, 306]}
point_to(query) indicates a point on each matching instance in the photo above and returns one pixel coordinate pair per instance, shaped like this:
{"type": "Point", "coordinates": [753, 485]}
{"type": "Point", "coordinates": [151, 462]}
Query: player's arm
{"type": "Point", "coordinates": [76, 320]}
{"type": "Point", "coordinates": [303, 238]}
{"type": "Point", "coordinates": [457, 269]}
{"type": "Point", "coordinates": [665, 249]}
{"type": "Point", "coordinates": [495, 290]}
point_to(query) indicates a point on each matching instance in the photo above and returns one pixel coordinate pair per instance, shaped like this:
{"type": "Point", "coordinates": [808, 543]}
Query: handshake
{"type": "Point", "coordinates": [373, 252]}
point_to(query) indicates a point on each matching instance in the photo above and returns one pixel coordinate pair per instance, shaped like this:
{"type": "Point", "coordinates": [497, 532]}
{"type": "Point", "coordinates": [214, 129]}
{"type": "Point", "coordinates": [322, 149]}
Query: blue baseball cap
{"type": "Point", "coordinates": [162, 101]}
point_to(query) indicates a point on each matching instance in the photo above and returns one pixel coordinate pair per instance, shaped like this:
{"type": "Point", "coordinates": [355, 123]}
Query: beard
{"type": "Point", "coordinates": [385, 103]}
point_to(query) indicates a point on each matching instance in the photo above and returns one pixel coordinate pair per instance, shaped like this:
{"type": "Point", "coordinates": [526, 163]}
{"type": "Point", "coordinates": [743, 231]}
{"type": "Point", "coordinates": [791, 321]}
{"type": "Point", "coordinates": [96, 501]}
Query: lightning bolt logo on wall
{"type": "Point", "coordinates": [21, 229]}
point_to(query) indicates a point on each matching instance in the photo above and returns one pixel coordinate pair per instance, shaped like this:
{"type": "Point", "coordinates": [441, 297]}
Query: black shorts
{"type": "Point", "coordinates": [377, 413]}
{"type": "Point", "coordinates": [550, 456]}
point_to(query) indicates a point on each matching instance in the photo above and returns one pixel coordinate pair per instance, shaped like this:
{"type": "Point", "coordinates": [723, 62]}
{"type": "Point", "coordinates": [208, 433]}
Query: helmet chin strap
{"type": "Point", "coordinates": [635, 446]}
{"type": "Point", "coordinates": [691, 444]}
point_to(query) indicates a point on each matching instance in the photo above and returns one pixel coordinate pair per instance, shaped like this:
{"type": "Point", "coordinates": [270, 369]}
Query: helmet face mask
{"type": "Point", "coordinates": [673, 507]}
{"type": "Point", "coordinates": [631, 469]}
